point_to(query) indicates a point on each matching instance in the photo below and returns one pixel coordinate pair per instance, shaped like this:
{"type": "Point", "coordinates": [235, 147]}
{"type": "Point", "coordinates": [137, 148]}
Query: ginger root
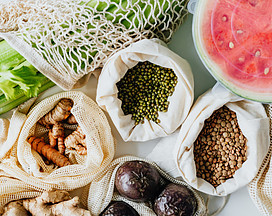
{"type": "Point", "coordinates": [48, 151]}
{"type": "Point", "coordinates": [56, 137]}
{"type": "Point", "coordinates": [70, 207]}
{"type": "Point", "coordinates": [54, 203]}
{"type": "Point", "coordinates": [60, 112]}
{"type": "Point", "coordinates": [76, 140]}
{"type": "Point", "coordinates": [15, 208]}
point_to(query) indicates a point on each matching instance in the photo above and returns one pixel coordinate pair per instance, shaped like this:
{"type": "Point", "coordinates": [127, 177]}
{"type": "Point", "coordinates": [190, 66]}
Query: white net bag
{"type": "Point", "coordinates": [101, 190]}
{"type": "Point", "coordinates": [260, 189]}
{"type": "Point", "coordinates": [66, 40]}
{"type": "Point", "coordinates": [27, 165]}
{"type": "Point", "coordinates": [14, 189]}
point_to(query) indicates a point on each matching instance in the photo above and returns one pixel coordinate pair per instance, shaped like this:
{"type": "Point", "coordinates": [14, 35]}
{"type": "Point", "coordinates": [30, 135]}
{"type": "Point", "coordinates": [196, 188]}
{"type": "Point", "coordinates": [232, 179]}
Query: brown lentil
{"type": "Point", "coordinates": [220, 158]}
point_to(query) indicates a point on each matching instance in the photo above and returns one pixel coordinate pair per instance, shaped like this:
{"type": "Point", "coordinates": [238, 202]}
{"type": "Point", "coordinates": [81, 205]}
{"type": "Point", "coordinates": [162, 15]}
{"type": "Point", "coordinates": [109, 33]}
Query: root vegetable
{"type": "Point", "coordinates": [52, 140]}
{"type": "Point", "coordinates": [47, 151]}
{"type": "Point", "coordinates": [61, 146]}
{"type": "Point", "coordinates": [71, 120]}
{"type": "Point", "coordinates": [69, 207]}
{"type": "Point", "coordinates": [54, 203]}
{"type": "Point", "coordinates": [60, 112]}
{"type": "Point", "coordinates": [54, 196]}
{"type": "Point", "coordinates": [76, 140]}
{"type": "Point", "coordinates": [56, 137]}
{"type": "Point", "coordinates": [15, 208]}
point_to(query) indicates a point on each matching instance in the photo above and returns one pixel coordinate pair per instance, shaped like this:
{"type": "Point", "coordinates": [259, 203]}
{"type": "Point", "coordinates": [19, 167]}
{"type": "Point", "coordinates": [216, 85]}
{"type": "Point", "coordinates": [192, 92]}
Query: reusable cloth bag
{"type": "Point", "coordinates": [25, 164]}
{"type": "Point", "coordinates": [260, 189]}
{"type": "Point", "coordinates": [102, 188]}
{"type": "Point", "coordinates": [115, 68]}
{"type": "Point", "coordinates": [67, 40]}
{"type": "Point", "coordinates": [254, 124]}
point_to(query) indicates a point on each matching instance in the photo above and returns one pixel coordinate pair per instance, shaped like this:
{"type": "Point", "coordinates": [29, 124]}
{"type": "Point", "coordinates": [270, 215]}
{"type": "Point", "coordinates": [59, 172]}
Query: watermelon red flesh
{"type": "Point", "coordinates": [238, 37]}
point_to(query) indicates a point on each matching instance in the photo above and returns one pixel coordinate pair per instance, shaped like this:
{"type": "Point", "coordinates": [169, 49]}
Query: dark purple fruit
{"type": "Point", "coordinates": [137, 181]}
{"type": "Point", "coordinates": [175, 200]}
{"type": "Point", "coordinates": [119, 208]}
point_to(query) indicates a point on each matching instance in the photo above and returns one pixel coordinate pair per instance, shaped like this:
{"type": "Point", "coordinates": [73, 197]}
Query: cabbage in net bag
{"type": "Point", "coordinates": [260, 189]}
{"type": "Point", "coordinates": [101, 190]}
{"type": "Point", "coordinates": [27, 165]}
{"type": "Point", "coordinates": [254, 125]}
{"type": "Point", "coordinates": [67, 39]}
{"type": "Point", "coordinates": [180, 102]}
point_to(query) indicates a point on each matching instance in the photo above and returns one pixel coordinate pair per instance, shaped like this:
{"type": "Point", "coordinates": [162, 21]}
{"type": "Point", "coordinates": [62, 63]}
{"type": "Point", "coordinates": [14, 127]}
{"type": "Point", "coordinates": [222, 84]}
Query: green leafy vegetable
{"type": "Point", "coordinates": [9, 58]}
{"type": "Point", "coordinates": [19, 80]}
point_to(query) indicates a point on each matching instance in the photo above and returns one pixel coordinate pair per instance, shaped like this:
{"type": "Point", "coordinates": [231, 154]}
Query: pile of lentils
{"type": "Point", "coordinates": [220, 148]}
{"type": "Point", "coordinates": [144, 91]}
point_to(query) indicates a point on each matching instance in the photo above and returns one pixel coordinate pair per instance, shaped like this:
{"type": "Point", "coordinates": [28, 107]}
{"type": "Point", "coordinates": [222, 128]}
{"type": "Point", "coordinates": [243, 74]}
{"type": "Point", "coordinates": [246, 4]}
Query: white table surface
{"type": "Point", "coordinates": [239, 203]}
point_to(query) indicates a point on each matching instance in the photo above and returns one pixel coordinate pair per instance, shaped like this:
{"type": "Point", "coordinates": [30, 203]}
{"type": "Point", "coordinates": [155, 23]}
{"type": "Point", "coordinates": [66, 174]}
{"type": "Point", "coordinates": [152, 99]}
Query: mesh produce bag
{"type": "Point", "coordinates": [66, 40]}
{"type": "Point", "coordinates": [27, 165]}
{"type": "Point", "coordinates": [260, 189]}
{"type": "Point", "coordinates": [14, 189]}
{"type": "Point", "coordinates": [101, 190]}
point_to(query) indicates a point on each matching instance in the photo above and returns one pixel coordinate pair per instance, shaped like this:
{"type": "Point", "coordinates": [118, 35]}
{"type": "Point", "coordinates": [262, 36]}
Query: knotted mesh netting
{"type": "Point", "coordinates": [76, 37]}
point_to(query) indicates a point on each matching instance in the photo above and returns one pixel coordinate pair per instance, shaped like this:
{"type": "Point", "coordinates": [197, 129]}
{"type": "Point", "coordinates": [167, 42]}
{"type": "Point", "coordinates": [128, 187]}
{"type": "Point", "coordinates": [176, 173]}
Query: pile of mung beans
{"type": "Point", "coordinates": [220, 148]}
{"type": "Point", "coordinates": [144, 91]}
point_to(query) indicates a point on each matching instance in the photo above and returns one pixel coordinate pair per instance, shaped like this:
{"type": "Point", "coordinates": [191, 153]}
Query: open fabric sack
{"type": "Point", "coordinates": [101, 191]}
{"type": "Point", "coordinates": [66, 40]}
{"type": "Point", "coordinates": [260, 189]}
{"type": "Point", "coordinates": [254, 124]}
{"type": "Point", "coordinates": [24, 163]}
{"type": "Point", "coordinates": [116, 67]}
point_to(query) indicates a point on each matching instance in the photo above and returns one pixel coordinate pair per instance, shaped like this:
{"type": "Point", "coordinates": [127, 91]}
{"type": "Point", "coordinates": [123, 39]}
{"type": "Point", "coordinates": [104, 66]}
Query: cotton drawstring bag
{"type": "Point", "coordinates": [116, 67]}
{"type": "Point", "coordinates": [253, 123]}
{"type": "Point", "coordinates": [66, 40]}
{"type": "Point", "coordinates": [27, 165]}
{"type": "Point", "coordinates": [260, 189]}
{"type": "Point", "coordinates": [101, 190]}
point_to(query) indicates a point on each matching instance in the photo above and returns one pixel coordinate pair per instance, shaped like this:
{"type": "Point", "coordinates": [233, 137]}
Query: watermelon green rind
{"type": "Point", "coordinates": [213, 68]}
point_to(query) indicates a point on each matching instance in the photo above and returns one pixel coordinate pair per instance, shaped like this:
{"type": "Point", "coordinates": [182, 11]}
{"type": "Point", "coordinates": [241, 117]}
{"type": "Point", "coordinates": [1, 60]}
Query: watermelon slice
{"type": "Point", "coordinates": [234, 40]}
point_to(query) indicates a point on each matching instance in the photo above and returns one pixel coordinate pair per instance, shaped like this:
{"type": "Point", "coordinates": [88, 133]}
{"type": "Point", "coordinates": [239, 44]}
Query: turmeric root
{"type": "Point", "coordinates": [61, 146]}
{"type": "Point", "coordinates": [71, 119]}
{"type": "Point", "coordinates": [52, 140]}
{"type": "Point", "coordinates": [47, 151]}
{"type": "Point", "coordinates": [56, 136]}
{"type": "Point", "coordinates": [56, 203]}
{"type": "Point", "coordinates": [76, 140]}
{"type": "Point", "coordinates": [15, 208]}
{"type": "Point", "coordinates": [60, 112]}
